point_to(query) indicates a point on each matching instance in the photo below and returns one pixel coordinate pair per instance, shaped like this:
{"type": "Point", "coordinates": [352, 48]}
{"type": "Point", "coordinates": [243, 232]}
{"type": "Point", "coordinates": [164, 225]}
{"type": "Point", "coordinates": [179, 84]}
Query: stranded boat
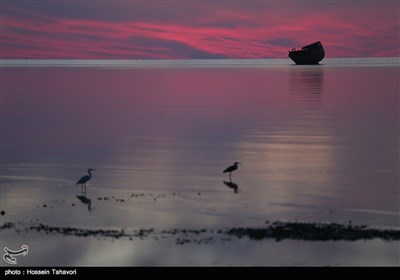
{"type": "Point", "coordinates": [310, 54]}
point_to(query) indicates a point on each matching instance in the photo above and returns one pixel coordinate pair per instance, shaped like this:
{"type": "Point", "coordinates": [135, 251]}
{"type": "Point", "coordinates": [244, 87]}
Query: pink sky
{"type": "Point", "coordinates": [197, 29]}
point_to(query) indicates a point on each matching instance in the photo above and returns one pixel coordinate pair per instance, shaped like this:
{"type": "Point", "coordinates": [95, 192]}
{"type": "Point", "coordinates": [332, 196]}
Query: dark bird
{"type": "Point", "coordinates": [82, 181]}
{"type": "Point", "coordinates": [231, 168]}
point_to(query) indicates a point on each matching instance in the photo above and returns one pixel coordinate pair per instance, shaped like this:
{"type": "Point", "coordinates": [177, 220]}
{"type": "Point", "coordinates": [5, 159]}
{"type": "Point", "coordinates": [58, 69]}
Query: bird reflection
{"type": "Point", "coordinates": [232, 185]}
{"type": "Point", "coordinates": [85, 201]}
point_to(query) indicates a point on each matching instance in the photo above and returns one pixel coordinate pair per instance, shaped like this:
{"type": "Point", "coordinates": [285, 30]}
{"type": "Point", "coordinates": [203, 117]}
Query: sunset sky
{"type": "Point", "coordinates": [197, 29]}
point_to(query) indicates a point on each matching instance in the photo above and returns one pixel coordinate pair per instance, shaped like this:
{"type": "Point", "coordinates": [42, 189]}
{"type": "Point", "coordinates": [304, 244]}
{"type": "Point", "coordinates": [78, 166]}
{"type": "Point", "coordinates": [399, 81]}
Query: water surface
{"type": "Point", "coordinates": [316, 143]}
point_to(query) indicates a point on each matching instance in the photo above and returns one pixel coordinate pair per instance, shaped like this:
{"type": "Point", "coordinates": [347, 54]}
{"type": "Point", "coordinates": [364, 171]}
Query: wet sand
{"type": "Point", "coordinates": [317, 239]}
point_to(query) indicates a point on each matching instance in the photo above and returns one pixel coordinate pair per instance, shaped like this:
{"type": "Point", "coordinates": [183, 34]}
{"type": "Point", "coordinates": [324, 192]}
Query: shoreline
{"type": "Point", "coordinates": [277, 230]}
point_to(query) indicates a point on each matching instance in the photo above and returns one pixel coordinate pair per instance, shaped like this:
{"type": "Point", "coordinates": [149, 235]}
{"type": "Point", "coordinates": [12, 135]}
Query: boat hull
{"type": "Point", "coordinates": [305, 57]}
{"type": "Point", "coordinates": [310, 54]}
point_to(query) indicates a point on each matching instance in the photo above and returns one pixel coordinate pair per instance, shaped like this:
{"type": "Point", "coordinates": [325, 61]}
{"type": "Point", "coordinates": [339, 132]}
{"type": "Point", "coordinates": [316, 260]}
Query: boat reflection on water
{"type": "Point", "coordinates": [307, 81]}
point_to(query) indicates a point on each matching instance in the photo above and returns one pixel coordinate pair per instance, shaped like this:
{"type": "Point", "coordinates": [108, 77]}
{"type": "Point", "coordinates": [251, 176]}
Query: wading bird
{"type": "Point", "coordinates": [231, 168]}
{"type": "Point", "coordinates": [82, 181]}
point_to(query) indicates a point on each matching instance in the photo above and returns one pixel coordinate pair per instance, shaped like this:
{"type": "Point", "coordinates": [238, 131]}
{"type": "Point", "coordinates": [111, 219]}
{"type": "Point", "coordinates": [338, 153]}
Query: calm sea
{"type": "Point", "coordinates": [316, 143]}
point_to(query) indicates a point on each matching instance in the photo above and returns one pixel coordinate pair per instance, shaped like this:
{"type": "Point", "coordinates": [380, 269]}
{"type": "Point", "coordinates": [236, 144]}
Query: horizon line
{"type": "Point", "coordinates": [138, 58]}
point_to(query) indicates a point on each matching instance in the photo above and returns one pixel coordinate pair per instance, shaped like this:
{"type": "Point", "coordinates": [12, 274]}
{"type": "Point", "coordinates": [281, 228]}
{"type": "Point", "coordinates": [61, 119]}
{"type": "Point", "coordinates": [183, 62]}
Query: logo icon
{"type": "Point", "coordinates": [10, 254]}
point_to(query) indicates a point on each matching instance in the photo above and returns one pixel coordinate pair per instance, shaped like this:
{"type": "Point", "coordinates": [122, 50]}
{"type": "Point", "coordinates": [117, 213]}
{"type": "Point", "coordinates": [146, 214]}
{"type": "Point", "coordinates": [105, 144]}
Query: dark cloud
{"type": "Point", "coordinates": [162, 48]}
{"type": "Point", "coordinates": [284, 42]}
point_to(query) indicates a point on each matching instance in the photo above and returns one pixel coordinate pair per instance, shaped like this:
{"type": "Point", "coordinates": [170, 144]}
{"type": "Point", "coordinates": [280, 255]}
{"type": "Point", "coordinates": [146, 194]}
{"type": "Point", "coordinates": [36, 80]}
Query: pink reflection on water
{"type": "Point", "coordinates": [316, 143]}
{"type": "Point", "coordinates": [304, 133]}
